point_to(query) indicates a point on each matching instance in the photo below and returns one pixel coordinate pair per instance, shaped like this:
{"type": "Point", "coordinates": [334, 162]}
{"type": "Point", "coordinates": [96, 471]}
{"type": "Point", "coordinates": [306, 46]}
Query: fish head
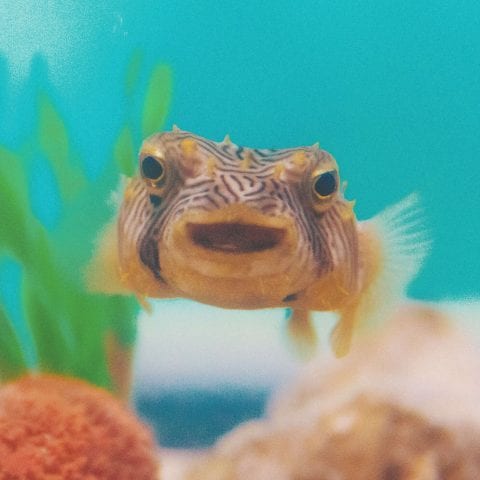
{"type": "Point", "coordinates": [203, 216]}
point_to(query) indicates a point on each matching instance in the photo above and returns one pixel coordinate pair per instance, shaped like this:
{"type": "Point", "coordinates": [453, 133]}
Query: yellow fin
{"type": "Point", "coordinates": [341, 336]}
{"type": "Point", "coordinates": [144, 303]}
{"type": "Point", "coordinates": [301, 333]}
{"type": "Point", "coordinates": [393, 245]}
{"type": "Point", "coordinates": [102, 274]}
{"type": "Point", "coordinates": [404, 244]}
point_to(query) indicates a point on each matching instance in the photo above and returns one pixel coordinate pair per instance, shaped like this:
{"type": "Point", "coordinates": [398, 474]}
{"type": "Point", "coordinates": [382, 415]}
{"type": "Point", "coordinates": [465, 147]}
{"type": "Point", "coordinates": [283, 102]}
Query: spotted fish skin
{"type": "Point", "coordinates": [243, 228]}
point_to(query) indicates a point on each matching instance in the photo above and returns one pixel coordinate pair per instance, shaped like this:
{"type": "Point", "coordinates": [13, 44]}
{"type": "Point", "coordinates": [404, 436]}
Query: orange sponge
{"type": "Point", "coordinates": [58, 428]}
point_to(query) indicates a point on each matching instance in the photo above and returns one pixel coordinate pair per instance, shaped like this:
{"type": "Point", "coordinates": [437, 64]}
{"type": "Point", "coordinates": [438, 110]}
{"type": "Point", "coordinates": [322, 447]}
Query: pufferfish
{"type": "Point", "coordinates": [247, 228]}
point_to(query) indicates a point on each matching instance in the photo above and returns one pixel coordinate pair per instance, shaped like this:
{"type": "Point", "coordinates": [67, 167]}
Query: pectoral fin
{"type": "Point", "coordinates": [301, 332]}
{"type": "Point", "coordinates": [342, 334]}
{"type": "Point", "coordinates": [105, 274]}
{"type": "Point", "coordinates": [144, 303]}
{"type": "Point", "coordinates": [102, 274]}
{"type": "Point", "coordinates": [393, 245]}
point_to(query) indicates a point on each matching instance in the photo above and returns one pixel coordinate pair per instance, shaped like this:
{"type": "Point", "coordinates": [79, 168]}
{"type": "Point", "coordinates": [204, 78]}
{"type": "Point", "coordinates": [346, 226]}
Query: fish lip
{"type": "Point", "coordinates": [235, 237]}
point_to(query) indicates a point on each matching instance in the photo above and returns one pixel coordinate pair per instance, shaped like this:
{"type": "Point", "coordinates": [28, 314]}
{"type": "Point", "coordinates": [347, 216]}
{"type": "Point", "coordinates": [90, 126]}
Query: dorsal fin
{"type": "Point", "coordinates": [393, 246]}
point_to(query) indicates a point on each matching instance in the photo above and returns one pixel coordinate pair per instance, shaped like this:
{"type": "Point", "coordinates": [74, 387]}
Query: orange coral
{"type": "Point", "coordinates": [58, 428]}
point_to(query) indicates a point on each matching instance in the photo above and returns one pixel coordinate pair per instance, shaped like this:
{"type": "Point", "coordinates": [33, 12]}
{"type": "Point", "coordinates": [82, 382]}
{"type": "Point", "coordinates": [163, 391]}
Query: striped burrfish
{"type": "Point", "coordinates": [249, 228]}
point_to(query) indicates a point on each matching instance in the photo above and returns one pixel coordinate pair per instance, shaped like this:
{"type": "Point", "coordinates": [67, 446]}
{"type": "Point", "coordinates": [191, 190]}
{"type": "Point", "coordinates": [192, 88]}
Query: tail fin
{"type": "Point", "coordinates": [397, 241]}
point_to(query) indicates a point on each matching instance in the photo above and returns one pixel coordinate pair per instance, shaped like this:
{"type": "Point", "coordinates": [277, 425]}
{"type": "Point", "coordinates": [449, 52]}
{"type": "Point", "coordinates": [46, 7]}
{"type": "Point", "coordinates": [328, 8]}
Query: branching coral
{"type": "Point", "coordinates": [57, 428]}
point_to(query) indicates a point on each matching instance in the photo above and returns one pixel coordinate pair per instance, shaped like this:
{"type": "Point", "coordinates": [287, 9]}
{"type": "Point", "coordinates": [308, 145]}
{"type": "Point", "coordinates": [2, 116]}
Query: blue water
{"type": "Point", "coordinates": [195, 418]}
{"type": "Point", "coordinates": [392, 89]}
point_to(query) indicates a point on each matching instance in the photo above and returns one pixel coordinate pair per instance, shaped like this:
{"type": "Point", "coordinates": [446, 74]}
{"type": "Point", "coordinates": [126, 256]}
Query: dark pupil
{"type": "Point", "coordinates": [151, 168]}
{"type": "Point", "coordinates": [325, 184]}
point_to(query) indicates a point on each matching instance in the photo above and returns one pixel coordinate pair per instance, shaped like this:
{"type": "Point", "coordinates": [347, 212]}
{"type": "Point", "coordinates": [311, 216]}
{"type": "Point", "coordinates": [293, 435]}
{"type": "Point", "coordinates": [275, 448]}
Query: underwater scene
{"type": "Point", "coordinates": [239, 240]}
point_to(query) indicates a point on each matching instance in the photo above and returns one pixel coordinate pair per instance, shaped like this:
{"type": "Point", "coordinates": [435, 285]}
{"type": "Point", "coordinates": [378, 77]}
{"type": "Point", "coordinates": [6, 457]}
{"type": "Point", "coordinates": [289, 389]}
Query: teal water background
{"type": "Point", "coordinates": [392, 89]}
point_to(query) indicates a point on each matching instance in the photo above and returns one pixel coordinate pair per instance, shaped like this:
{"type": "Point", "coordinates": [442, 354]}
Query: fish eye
{"type": "Point", "coordinates": [152, 169]}
{"type": "Point", "coordinates": [325, 184]}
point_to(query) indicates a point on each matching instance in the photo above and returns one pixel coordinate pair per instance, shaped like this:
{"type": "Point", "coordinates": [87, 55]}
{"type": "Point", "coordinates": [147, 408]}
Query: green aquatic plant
{"type": "Point", "coordinates": [74, 332]}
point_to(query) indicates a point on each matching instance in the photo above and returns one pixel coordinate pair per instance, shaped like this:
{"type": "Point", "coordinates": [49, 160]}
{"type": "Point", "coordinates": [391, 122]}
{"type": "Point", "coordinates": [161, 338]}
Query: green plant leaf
{"type": "Point", "coordinates": [124, 152]}
{"type": "Point", "coordinates": [122, 319]}
{"type": "Point", "coordinates": [14, 210]}
{"type": "Point", "coordinates": [54, 142]}
{"type": "Point", "coordinates": [12, 360]}
{"type": "Point", "coordinates": [157, 100]}
{"type": "Point", "coordinates": [51, 338]}
{"type": "Point", "coordinates": [43, 267]}
{"type": "Point", "coordinates": [87, 314]}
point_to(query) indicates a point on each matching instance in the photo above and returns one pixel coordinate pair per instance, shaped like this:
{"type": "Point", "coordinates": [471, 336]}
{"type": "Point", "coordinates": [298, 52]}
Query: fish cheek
{"type": "Point", "coordinates": [149, 255]}
{"type": "Point", "coordinates": [148, 250]}
{"type": "Point", "coordinates": [323, 257]}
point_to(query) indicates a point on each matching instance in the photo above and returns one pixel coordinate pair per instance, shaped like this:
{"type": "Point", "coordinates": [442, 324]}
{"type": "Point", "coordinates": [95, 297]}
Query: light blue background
{"type": "Point", "coordinates": [392, 89]}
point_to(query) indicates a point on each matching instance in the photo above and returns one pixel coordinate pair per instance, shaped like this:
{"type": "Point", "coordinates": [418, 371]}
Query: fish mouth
{"type": "Point", "coordinates": [228, 237]}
